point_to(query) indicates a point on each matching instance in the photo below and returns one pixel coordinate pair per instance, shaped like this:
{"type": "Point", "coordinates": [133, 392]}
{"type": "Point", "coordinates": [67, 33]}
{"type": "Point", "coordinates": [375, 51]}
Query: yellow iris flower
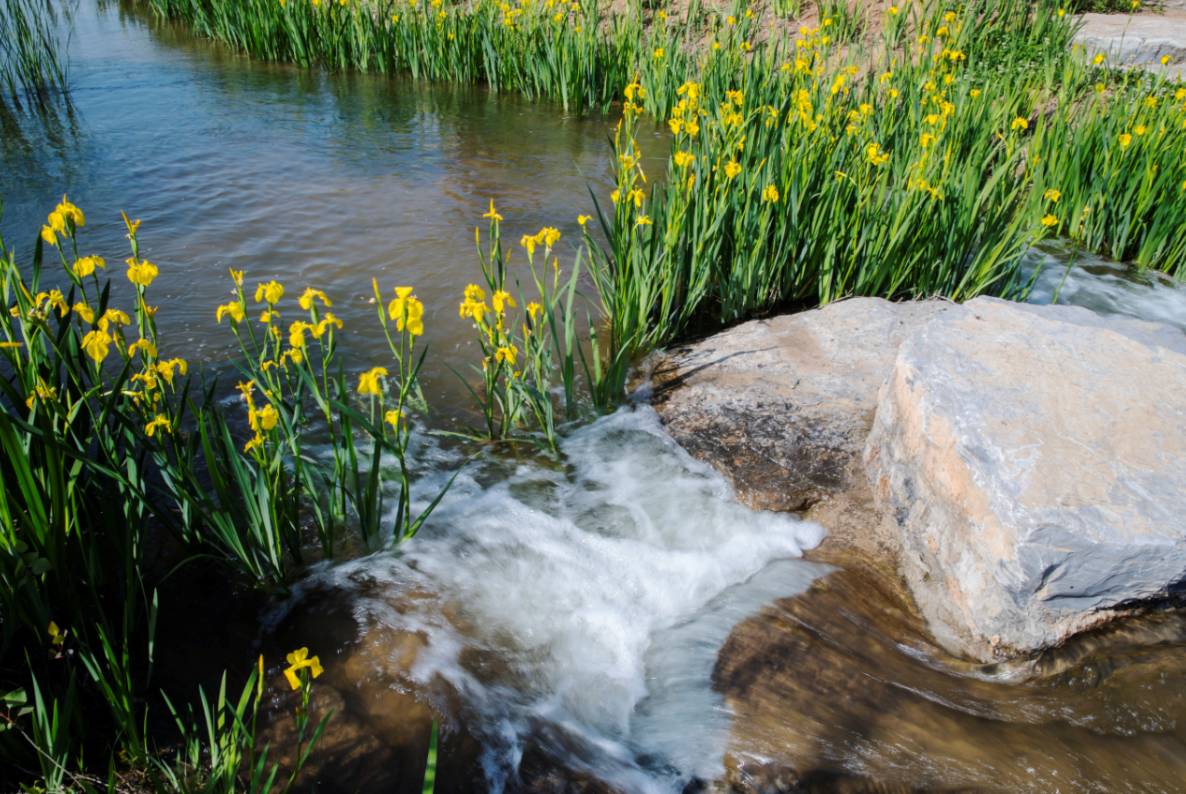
{"type": "Point", "coordinates": [310, 295]}
{"type": "Point", "coordinates": [141, 272]}
{"type": "Point", "coordinates": [506, 354]}
{"type": "Point", "coordinates": [370, 382]}
{"type": "Point", "coordinates": [85, 266]}
{"type": "Point", "coordinates": [96, 344]}
{"type": "Point", "coordinates": [167, 368]}
{"type": "Point", "coordinates": [300, 660]}
{"type": "Point", "coordinates": [407, 311]}
{"type": "Point", "coordinates": [158, 422]}
{"type": "Point", "coordinates": [492, 214]}
{"type": "Point", "coordinates": [269, 292]}
{"type": "Point", "coordinates": [235, 310]}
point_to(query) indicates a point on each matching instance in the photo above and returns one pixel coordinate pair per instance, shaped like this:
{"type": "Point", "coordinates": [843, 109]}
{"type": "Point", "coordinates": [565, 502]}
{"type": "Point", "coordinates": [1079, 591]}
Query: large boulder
{"type": "Point", "coordinates": [1034, 461]}
{"type": "Point", "coordinates": [782, 406]}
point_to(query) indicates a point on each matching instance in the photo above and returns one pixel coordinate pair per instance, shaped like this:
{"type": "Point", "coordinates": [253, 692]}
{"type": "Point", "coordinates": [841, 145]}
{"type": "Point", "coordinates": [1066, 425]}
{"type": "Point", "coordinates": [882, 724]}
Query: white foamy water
{"type": "Point", "coordinates": [1081, 279]}
{"type": "Point", "coordinates": [596, 595]}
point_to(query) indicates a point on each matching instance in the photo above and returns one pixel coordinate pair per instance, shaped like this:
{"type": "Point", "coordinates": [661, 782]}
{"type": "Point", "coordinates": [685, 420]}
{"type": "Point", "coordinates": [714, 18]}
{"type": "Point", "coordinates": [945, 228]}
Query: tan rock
{"type": "Point", "coordinates": [1034, 460]}
{"type": "Point", "coordinates": [782, 406]}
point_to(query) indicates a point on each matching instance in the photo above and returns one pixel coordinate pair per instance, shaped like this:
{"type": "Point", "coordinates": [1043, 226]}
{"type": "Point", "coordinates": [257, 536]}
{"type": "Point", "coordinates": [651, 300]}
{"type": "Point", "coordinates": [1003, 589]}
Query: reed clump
{"type": "Point", "coordinates": [800, 174]}
{"type": "Point", "coordinates": [109, 447]}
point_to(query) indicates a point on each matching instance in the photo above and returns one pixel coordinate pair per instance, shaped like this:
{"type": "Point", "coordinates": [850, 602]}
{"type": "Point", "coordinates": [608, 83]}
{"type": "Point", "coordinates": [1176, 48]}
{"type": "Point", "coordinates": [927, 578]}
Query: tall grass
{"type": "Point", "coordinates": [526, 329]}
{"type": "Point", "coordinates": [875, 196]}
{"type": "Point", "coordinates": [797, 177]}
{"type": "Point", "coordinates": [1110, 171]}
{"type": "Point", "coordinates": [564, 51]}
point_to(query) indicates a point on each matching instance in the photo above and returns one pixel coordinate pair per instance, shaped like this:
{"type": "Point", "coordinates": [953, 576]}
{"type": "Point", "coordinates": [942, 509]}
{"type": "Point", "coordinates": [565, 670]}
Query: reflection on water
{"type": "Point", "coordinates": [311, 178]}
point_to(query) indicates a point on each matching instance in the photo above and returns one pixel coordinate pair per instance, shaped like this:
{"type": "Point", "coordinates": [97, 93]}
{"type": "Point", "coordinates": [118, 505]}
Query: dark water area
{"type": "Point", "coordinates": [614, 620]}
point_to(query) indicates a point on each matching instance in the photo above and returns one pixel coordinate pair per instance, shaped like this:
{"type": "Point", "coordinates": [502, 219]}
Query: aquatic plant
{"type": "Point", "coordinates": [801, 177]}
{"type": "Point", "coordinates": [109, 447]}
{"type": "Point", "coordinates": [1108, 168]}
{"type": "Point", "coordinates": [528, 339]}
{"type": "Point", "coordinates": [218, 751]}
{"type": "Point", "coordinates": [566, 51]}
{"type": "Point", "coordinates": [32, 58]}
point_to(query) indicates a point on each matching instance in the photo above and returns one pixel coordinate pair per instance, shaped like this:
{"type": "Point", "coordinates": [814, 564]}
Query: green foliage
{"type": "Point", "coordinates": [430, 768]}
{"type": "Point", "coordinates": [564, 51]}
{"type": "Point", "coordinates": [527, 336]}
{"type": "Point", "coordinates": [104, 454]}
{"type": "Point", "coordinates": [218, 752]}
{"type": "Point", "coordinates": [796, 178]}
{"type": "Point", "coordinates": [1108, 168]}
{"type": "Point", "coordinates": [841, 19]}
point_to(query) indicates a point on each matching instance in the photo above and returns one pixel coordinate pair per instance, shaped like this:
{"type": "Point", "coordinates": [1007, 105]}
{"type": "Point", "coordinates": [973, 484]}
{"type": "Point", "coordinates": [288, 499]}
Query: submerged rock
{"type": "Point", "coordinates": [840, 689]}
{"type": "Point", "coordinates": [380, 720]}
{"type": "Point", "coordinates": [1035, 461]}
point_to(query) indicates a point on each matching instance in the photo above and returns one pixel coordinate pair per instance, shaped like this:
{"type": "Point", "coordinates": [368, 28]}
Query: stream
{"type": "Point", "coordinates": [565, 616]}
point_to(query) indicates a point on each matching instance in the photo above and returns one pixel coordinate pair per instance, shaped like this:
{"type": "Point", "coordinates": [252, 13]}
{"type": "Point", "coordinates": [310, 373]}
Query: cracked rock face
{"type": "Point", "coordinates": [1034, 460]}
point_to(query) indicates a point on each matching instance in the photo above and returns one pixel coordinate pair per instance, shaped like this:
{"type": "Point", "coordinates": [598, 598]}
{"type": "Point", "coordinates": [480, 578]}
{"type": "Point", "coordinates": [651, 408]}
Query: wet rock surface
{"type": "Point", "coordinates": [841, 689]}
{"type": "Point", "coordinates": [1024, 487]}
{"type": "Point", "coordinates": [883, 677]}
{"type": "Point", "coordinates": [380, 721]}
{"type": "Point", "coordinates": [1034, 461]}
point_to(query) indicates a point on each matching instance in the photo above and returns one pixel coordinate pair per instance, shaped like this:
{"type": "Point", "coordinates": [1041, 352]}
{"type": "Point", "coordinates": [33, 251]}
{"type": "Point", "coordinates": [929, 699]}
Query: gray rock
{"type": "Point", "coordinates": [782, 406]}
{"type": "Point", "coordinates": [1034, 461]}
{"type": "Point", "coordinates": [1138, 39]}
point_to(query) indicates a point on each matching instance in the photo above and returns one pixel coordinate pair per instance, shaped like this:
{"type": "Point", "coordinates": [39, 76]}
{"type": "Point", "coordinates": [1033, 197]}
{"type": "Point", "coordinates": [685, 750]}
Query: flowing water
{"type": "Point", "coordinates": [1104, 286]}
{"type": "Point", "coordinates": [578, 609]}
{"type": "Point", "coordinates": [566, 616]}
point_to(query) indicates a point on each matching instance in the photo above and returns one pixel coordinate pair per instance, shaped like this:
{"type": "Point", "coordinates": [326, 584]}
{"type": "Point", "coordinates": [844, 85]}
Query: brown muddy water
{"type": "Point", "coordinates": [614, 619]}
